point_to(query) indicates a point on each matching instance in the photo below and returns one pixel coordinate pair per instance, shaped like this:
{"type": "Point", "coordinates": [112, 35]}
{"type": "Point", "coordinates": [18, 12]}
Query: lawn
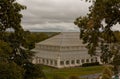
{"type": "Point", "coordinates": [66, 72]}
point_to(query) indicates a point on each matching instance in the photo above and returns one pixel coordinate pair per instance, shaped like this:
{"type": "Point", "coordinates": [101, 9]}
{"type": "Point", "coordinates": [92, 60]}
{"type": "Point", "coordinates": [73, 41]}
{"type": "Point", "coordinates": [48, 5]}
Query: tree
{"type": "Point", "coordinates": [96, 29]}
{"type": "Point", "coordinates": [32, 38]}
{"type": "Point", "coordinates": [10, 70]}
{"type": "Point", "coordinates": [33, 71]}
{"type": "Point", "coordinates": [5, 50]}
{"type": "Point", "coordinates": [13, 55]}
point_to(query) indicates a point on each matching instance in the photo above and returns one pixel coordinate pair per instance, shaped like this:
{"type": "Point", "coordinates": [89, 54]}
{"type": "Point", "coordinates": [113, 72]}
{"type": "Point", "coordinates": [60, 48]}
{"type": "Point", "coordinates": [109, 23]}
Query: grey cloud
{"type": "Point", "coordinates": [52, 14]}
{"type": "Point", "coordinates": [53, 26]}
{"type": "Point", "coordinates": [116, 27]}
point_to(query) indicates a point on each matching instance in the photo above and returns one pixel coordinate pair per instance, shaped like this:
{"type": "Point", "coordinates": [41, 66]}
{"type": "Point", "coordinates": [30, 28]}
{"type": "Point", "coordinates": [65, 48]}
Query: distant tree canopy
{"type": "Point", "coordinates": [33, 37]}
{"type": "Point", "coordinates": [96, 29]}
{"type": "Point", "coordinates": [14, 54]}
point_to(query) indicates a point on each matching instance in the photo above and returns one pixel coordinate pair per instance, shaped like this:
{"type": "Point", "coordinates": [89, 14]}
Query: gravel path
{"type": "Point", "coordinates": [91, 76]}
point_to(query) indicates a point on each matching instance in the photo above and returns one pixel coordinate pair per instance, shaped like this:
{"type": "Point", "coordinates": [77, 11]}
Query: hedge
{"type": "Point", "coordinates": [90, 64]}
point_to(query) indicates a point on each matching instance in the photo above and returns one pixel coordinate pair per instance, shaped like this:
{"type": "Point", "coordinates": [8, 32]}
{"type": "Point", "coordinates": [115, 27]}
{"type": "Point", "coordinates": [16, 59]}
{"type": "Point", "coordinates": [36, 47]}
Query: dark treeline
{"type": "Point", "coordinates": [33, 37]}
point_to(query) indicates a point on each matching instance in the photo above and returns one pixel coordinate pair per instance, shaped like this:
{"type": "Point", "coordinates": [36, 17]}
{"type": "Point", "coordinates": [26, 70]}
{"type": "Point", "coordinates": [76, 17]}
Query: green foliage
{"type": "Point", "coordinates": [5, 50]}
{"type": "Point", "coordinates": [33, 71]}
{"type": "Point", "coordinates": [14, 56]}
{"type": "Point", "coordinates": [32, 38]}
{"type": "Point", "coordinates": [10, 71]}
{"type": "Point", "coordinates": [10, 16]}
{"type": "Point", "coordinates": [96, 29]}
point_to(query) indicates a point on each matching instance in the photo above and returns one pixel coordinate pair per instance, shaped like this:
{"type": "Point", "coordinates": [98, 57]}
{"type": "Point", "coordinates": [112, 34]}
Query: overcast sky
{"type": "Point", "coordinates": [52, 15]}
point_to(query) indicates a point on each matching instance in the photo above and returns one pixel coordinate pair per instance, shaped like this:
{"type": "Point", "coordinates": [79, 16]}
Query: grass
{"type": "Point", "coordinates": [67, 72]}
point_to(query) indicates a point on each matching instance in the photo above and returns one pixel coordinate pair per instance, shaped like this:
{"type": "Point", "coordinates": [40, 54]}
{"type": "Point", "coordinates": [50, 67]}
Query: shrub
{"type": "Point", "coordinates": [90, 64]}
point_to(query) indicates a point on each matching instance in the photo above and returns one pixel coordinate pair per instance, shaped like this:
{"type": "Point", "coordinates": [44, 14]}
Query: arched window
{"type": "Point", "coordinates": [82, 60]}
{"type": "Point", "coordinates": [67, 62]}
{"type": "Point", "coordinates": [96, 59]}
{"type": "Point", "coordinates": [55, 62]}
{"type": "Point", "coordinates": [72, 62]}
{"type": "Point", "coordinates": [51, 62]}
{"type": "Point", "coordinates": [77, 61]}
{"type": "Point", "coordinates": [47, 61]}
{"type": "Point", "coordinates": [92, 60]}
{"type": "Point", "coordinates": [39, 60]}
{"type": "Point", "coordinates": [61, 62]}
{"type": "Point", "coordinates": [87, 60]}
{"type": "Point", "coordinates": [43, 60]}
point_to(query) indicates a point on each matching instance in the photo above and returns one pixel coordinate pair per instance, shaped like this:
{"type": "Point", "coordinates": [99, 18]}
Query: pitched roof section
{"type": "Point", "coordinates": [64, 39]}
